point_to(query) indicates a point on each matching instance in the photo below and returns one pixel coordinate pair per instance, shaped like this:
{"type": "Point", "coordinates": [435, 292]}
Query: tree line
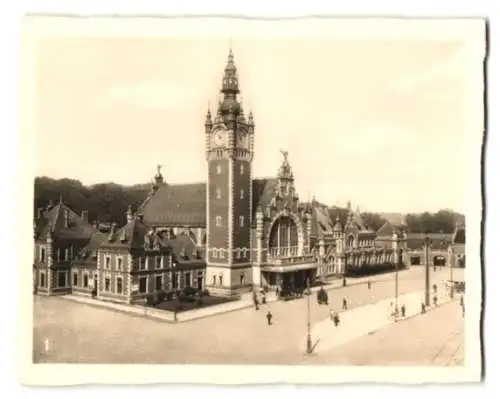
{"type": "Point", "coordinates": [108, 202]}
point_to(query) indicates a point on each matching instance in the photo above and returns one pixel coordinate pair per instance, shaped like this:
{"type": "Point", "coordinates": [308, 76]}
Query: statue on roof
{"type": "Point", "coordinates": [285, 155]}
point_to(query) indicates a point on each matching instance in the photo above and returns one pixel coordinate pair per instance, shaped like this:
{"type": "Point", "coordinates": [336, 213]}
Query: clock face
{"type": "Point", "coordinates": [219, 138]}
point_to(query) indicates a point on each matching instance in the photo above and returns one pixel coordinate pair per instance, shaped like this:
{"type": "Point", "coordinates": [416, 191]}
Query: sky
{"type": "Point", "coordinates": [378, 123]}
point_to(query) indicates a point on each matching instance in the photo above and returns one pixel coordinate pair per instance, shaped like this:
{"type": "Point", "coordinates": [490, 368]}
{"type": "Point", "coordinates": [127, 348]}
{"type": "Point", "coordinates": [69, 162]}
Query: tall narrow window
{"type": "Point", "coordinates": [159, 283]}
{"type": "Point", "coordinates": [218, 221]}
{"type": "Point", "coordinates": [218, 193]}
{"type": "Point", "coordinates": [119, 263]}
{"type": "Point", "coordinates": [158, 262]}
{"type": "Point", "coordinates": [42, 279]}
{"type": "Point", "coordinates": [119, 285]}
{"type": "Point", "coordinates": [219, 169]}
{"type": "Point", "coordinates": [143, 283]}
{"type": "Point", "coordinates": [75, 279]}
{"type": "Point", "coordinates": [85, 281]}
{"type": "Point", "coordinates": [214, 253]}
{"type": "Point", "coordinates": [242, 169]}
{"type": "Point", "coordinates": [42, 254]}
{"type": "Point", "coordinates": [107, 284]}
{"type": "Point", "coordinates": [242, 194]}
{"type": "Point", "coordinates": [107, 262]}
{"type": "Point", "coordinates": [61, 279]}
{"type": "Point", "coordinates": [242, 221]}
{"type": "Point", "coordinates": [142, 263]}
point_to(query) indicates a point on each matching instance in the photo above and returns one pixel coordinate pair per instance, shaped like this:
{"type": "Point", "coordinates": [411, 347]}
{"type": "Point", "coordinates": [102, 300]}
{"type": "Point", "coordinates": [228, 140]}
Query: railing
{"type": "Point", "coordinates": [283, 252]}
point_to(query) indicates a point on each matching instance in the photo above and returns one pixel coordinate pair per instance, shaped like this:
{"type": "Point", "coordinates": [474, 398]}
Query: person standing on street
{"type": "Point", "coordinates": [344, 303]}
{"type": "Point", "coordinates": [435, 300]}
{"type": "Point", "coordinates": [403, 310]}
{"type": "Point", "coordinates": [269, 317]}
{"type": "Point", "coordinates": [336, 319]}
{"type": "Point", "coordinates": [369, 285]}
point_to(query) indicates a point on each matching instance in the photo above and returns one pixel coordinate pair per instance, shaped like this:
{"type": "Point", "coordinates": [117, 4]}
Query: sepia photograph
{"type": "Point", "coordinates": [253, 193]}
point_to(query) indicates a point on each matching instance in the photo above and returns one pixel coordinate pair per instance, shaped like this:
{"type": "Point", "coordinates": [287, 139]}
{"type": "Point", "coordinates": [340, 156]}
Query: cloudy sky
{"type": "Point", "coordinates": [379, 123]}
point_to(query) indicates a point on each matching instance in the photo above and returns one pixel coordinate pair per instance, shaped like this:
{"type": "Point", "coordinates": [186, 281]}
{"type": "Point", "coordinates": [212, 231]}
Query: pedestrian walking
{"type": "Point", "coordinates": [403, 310]}
{"type": "Point", "coordinates": [269, 317]}
{"type": "Point", "coordinates": [422, 307]}
{"type": "Point", "coordinates": [462, 301]}
{"type": "Point", "coordinates": [369, 285]}
{"type": "Point", "coordinates": [264, 298]}
{"type": "Point", "coordinates": [344, 303]}
{"type": "Point", "coordinates": [463, 311]}
{"type": "Point", "coordinates": [435, 288]}
{"type": "Point", "coordinates": [336, 319]}
{"type": "Point", "coordinates": [435, 300]}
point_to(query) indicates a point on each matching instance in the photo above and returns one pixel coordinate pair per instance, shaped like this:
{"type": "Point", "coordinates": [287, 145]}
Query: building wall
{"type": "Point", "coordinates": [241, 234]}
{"type": "Point", "coordinates": [113, 264]}
{"type": "Point", "coordinates": [218, 202]}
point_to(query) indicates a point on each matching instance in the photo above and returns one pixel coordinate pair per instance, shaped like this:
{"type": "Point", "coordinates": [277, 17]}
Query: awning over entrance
{"type": "Point", "coordinates": [289, 268]}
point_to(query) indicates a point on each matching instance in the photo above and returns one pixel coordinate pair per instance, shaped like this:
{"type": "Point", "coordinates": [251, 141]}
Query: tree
{"type": "Point", "coordinates": [373, 220]}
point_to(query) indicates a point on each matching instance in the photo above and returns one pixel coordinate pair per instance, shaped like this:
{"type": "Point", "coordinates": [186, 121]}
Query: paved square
{"type": "Point", "coordinates": [79, 333]}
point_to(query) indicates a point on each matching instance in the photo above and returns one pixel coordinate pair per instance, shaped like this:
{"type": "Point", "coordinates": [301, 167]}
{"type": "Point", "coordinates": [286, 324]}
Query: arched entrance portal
{"type": "Point", "coordinates": [284, 238]}
{"type": "Point", "coordinates": [285, 248]}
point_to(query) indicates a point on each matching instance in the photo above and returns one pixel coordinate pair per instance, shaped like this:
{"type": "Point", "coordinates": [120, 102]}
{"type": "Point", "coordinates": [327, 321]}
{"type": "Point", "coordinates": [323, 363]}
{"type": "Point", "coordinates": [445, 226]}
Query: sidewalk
{"type": "Point", "coordinates": [365, 320]}
{"type": "Point", "coordinates": [165, 315]}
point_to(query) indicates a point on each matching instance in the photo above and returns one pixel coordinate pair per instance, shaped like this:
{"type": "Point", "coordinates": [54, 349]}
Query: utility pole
{"type": "Point", "coordinates": [427, 271]}
{"type": "Point", "coordinates": [309, 341]}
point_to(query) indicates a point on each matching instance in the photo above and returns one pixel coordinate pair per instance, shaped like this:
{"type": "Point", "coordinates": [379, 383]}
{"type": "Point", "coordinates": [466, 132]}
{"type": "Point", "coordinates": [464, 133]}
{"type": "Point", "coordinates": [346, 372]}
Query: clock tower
{"type": "Point", "coordinates": [229, 151]}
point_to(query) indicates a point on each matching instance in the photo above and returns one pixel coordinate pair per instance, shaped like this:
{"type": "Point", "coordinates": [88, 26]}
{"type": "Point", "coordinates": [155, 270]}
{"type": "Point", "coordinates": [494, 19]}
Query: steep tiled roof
{"type": "Point", "coordinates": [185, 250]}
{"type": "Point", "coordinates": [129, 236]}
{"type": "Point", "coordinates": [262, 192]}
{"type": "Point", "coordinates": [177, 205]}
{"type": "Point", "coordinates": [322, 223]}
{"type": "Point", "coordinates": [89, 253]}
{"type": "Point", "coordinates": [459, 236]}
{"type": "Point", "coordinates": [438, 241]}
{"type": "Point", "coordinates": [185, 204]}
{"type": "Point", "coordinates": [385, 230]}
{"type": "Point", "coordinates": [54, 220]}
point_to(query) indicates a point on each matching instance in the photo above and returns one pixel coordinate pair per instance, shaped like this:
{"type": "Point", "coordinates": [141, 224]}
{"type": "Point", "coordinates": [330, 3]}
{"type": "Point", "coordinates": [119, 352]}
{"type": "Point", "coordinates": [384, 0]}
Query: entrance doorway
{"type": "Point", "coordinates": [439, 261]}
{"type": "Point", "coordinates": [415, 260]}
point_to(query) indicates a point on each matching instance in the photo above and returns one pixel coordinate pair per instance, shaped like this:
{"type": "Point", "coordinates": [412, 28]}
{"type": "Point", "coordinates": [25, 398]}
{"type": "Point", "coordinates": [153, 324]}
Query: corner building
{"type": "Point", "coordinates": [252, 232]}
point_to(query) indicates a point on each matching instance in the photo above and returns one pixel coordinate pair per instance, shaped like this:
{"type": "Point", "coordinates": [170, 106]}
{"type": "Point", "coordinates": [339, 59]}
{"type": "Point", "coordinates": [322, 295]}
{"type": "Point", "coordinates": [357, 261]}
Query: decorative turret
{"type": "Point", "coordinates": [230, 89]}
{"type": "Point", "coordinates": [208, 122]}
{"type": "Point", "coordinates": [337, 228]}
{"type": "Point", "coordinates": [159, 177]}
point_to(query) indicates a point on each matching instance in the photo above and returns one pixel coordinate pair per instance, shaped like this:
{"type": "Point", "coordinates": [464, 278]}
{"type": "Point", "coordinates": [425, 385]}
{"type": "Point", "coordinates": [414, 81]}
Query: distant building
{"type": "Point", "coordinates": [444, 249]}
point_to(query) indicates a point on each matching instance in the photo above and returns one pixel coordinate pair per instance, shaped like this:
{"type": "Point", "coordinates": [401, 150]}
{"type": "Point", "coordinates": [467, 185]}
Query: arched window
{"type": "Point", "coordinates": [284, 238]}
{"type": "Point", "coordinates": [350, 241]}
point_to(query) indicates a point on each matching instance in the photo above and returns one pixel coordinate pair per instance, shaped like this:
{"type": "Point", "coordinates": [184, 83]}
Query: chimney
{"type": "Point", "coordinates": [85, 216]}
{"type": "Point", "coordinates": [112, 232]}
{"type": "Point", "coordinates": [130, 215]}
{"type": "Point", "coordinates": [66, 218]}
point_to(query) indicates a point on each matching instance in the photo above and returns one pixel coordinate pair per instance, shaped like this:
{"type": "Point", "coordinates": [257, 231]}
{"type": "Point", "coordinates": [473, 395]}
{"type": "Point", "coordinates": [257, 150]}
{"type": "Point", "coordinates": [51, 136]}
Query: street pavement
{"type": "Point", "coordinates": [79, 333]}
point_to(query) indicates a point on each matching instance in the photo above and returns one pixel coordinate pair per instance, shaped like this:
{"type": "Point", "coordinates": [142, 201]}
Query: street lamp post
{"type": "Point", "coordinates": [396, 276]}
{"type": "Point", "coordinates": [427, 242]}
{"type": "Point", "coordinates": [309, 341]}
{"type": "Point", "coordinates": [344, 280]}
{"type": "Point", "coordinates": [452, 288]}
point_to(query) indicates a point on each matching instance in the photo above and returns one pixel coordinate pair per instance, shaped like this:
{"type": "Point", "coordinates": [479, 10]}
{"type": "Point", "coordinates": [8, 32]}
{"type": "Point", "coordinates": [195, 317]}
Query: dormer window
{"type": "Point", "coordinates": [214, 253]}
